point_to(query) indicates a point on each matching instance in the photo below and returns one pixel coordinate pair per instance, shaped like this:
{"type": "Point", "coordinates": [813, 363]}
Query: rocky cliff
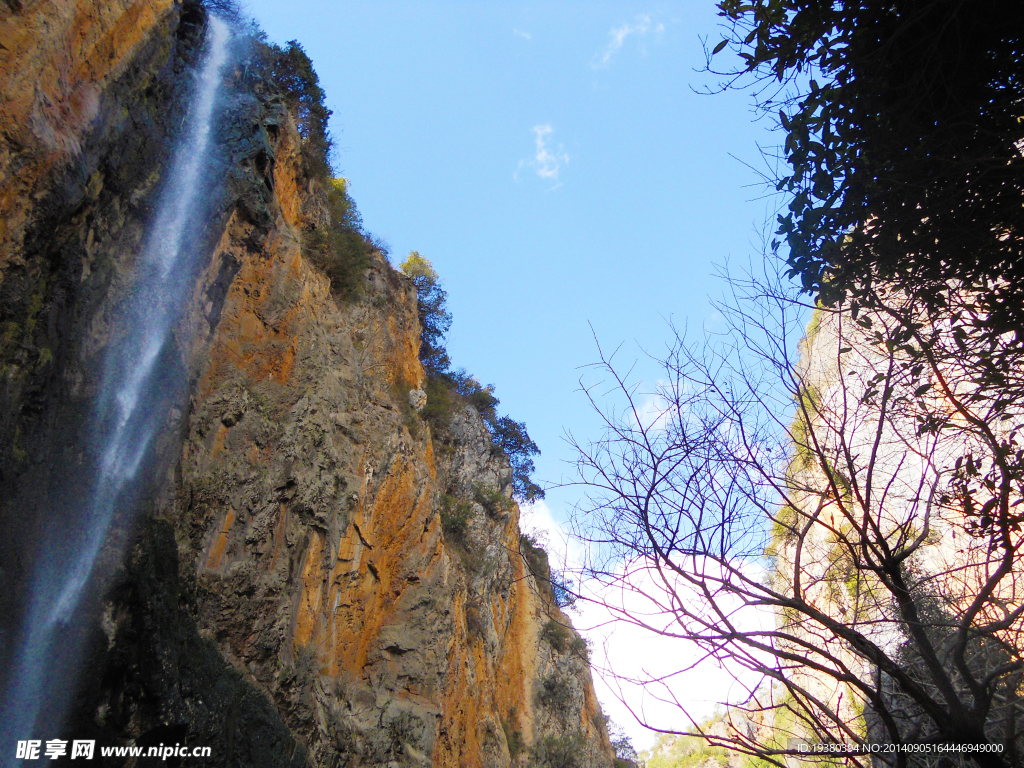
{"type": "Point", "coordinates": [284, 590]}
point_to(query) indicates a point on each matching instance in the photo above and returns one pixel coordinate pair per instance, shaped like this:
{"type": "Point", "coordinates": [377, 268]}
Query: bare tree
{"type": "Point", "coordinates": [839, 528]}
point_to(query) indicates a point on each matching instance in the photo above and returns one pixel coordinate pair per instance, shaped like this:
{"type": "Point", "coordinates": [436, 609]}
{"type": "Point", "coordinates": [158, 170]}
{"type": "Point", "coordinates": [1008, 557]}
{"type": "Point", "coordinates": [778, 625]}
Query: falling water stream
{"type": "Point", "coordinates": [124, 420]}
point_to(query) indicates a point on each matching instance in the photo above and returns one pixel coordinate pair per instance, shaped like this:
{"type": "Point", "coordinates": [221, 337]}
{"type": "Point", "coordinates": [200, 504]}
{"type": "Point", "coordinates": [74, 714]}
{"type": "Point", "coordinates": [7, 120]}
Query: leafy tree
{"type": "Point", "coordinates": [291, 70]}
{"type": "Point", "coordinates": [625, 752]}
{"type": "Point", "coordinates": [903, 139]}
{"type": "Point", "coordinates": [481, 397]}
{"type": "Point", "coordinates": [435, 319]}
{"type": "Point", "coordinates": [447, 387]}
{"type": "Point", "coordinates": [512, 438]}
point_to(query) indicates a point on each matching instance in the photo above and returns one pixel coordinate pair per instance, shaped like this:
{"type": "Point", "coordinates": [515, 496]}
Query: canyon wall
{"type": "Point", "coordinates": [285, 592]}
{"type": "Point", "coordinates": [892, 538]}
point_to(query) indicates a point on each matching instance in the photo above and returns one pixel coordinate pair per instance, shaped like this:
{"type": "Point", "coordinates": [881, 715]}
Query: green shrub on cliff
{"type": "Point", "coordinates": [494, 502]}
{"type": "Point", "coordinates": [554, 692]}
{"type": "Point", "coordinates": [338, 244]}
{"type": "Point", "coordinates": [569, 751]}
{"type": "Point", "coordinates": [536, 558]}
{"type": "Point", "coordinates": [435, 319]}
{"type": "Point", "coordinates": [455, 516]}
{"type": "Point", "coordinates": [341, 248]}
{"type": "Point", "coordinates": [562, 638]}
{"type": "Point", "coordinates": [513, 737]}
{"type": "Point", "coordinates": [291, 71]}
{"type": "Point", "coordinates": [451, 389]}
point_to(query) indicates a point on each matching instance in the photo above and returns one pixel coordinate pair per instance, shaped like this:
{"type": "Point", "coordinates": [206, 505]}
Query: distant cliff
{"type": "Point", "coordinates": [287, 593]}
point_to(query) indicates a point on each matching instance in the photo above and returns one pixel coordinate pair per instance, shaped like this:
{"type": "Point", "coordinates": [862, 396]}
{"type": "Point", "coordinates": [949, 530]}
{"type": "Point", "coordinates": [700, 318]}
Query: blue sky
{"type": "Point", "coordinates": [554, 163]}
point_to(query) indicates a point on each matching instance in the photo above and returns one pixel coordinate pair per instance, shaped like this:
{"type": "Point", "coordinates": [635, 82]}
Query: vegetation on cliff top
{"type": "Point", "coordinates": [449, 388]}
{"type": "Point", "coordinates": [337, 243]}
{"type": "Point", "coordinates": [342, 248]}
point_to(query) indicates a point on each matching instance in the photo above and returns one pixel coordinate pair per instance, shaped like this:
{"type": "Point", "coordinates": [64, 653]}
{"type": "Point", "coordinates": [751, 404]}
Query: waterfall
{"type": "Point", "coordinates": [124, 421]}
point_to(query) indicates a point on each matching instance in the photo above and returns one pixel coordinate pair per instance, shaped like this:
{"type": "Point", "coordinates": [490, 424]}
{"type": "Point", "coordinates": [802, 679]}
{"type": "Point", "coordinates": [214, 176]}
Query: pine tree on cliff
{"type": "Point", "coordinates": [445, 386]}
{"type": "Point", "coordinates": [435, 319]}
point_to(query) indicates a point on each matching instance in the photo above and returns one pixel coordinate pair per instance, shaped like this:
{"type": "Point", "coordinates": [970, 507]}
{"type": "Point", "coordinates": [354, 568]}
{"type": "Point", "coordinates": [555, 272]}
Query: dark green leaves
{"type": "Point", "coordinates": [901, 143]}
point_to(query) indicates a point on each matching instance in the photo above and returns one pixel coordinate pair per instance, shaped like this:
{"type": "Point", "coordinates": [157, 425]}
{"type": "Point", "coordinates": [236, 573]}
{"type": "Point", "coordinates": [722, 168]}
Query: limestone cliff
{"type": "Point", "coordinates": [287, 593]}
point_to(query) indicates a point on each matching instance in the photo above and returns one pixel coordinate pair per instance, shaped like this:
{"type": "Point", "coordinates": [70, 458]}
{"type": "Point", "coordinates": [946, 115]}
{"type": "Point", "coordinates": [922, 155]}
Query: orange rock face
{"type": "Point", "coordinates": [56, 58]}
{"type": "Point", "coordinates": [313, 501]}
{"type": "Point", "coordinates": [303, 511]}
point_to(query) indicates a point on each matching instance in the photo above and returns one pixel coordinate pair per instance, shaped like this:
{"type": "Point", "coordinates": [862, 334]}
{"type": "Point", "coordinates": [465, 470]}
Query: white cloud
{"type": "Point", "coordinates": [547, 162]}
{"type": "Point", "coordinates": [522, 34]}
{"type": "Point", "coordinates": [618, 35]}
{"type": "Point", "coordinates": [565, 551]}
{"type": "Point", "coordinates": [662, 407]}
{"type": "Point", "coordinates": [665, 681]}
{"type": "Point", "coordinates": [654, 411]}
{"type": "Point", "coordinates": [624, 653]}
{"type": "Point", "coordinates": [715, 323]}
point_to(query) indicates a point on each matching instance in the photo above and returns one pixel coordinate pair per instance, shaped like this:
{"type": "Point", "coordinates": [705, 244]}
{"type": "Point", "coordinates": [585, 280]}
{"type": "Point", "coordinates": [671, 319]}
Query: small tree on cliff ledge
{"type": "Point", "coordinates": [839, 531]}
{"type": "Point", "coordinates": [435, 319]}
{"type": "Point", "coordinates": [511, 436]}
{"type": "Point", "coordinates": [447, 388]}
